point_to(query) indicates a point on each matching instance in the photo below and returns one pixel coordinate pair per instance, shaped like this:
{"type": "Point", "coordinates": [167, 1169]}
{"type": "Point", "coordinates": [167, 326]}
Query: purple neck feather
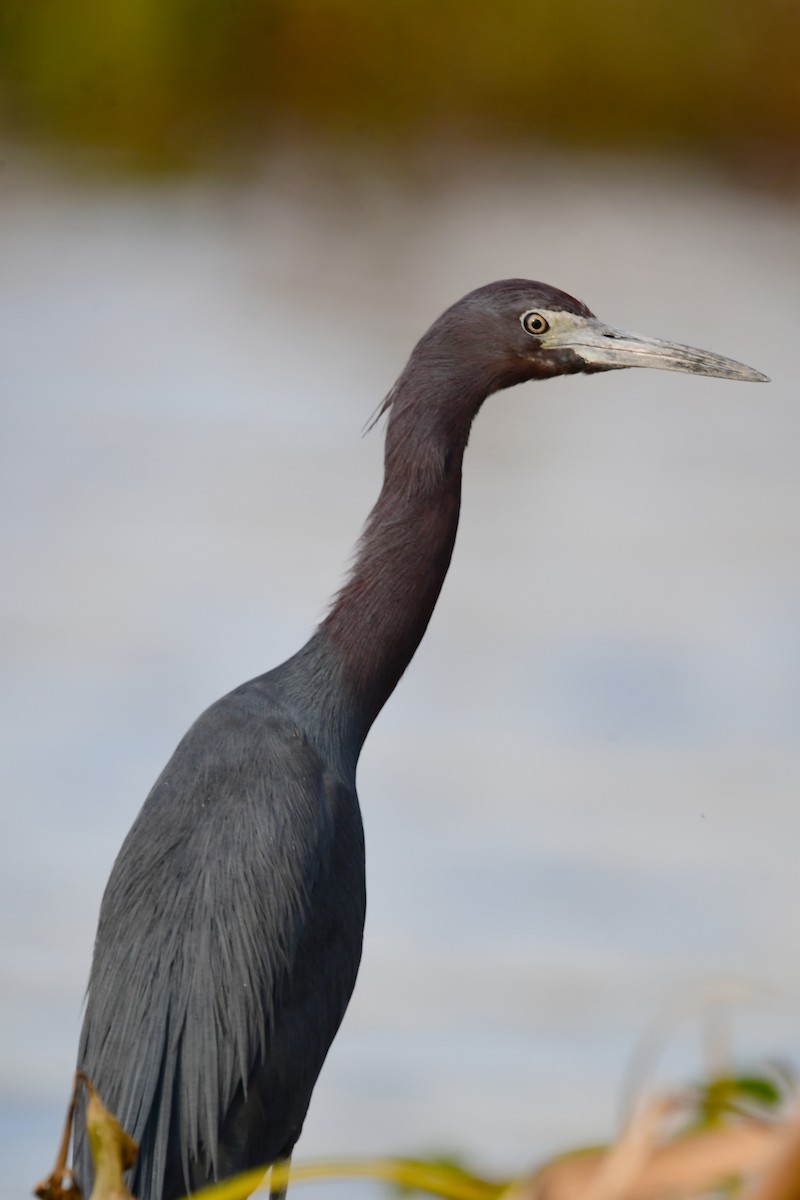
{"type": "Point", "coordinates": [380, 615]}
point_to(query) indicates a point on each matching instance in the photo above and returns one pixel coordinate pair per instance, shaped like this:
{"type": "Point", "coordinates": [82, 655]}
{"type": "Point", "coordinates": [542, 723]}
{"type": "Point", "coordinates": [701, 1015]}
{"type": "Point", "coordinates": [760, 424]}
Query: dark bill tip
{"type": "Point", "coordinates": [602, 347]}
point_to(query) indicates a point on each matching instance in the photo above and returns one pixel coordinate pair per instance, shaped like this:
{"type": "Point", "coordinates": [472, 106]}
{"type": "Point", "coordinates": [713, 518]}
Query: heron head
{"type": "Point", "coordinates": [540, 331]}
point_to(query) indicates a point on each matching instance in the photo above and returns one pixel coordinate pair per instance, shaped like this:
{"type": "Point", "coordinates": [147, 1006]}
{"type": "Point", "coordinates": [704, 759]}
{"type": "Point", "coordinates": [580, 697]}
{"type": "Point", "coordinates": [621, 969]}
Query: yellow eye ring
{"type": "Point", "coordinates": [534, 322]}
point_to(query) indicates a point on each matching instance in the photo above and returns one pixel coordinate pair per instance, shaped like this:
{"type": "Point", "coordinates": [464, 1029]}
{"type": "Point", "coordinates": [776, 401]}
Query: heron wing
{"type": "Point", "coordinates": [199, 931]}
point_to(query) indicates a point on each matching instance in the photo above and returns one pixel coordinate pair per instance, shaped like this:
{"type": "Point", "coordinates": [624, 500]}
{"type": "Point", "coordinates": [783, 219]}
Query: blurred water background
{"type": "Point", "coordinates": [581, 805]}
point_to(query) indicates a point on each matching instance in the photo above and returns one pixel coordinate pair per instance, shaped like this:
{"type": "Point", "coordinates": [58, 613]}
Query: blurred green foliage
{"type": "Point", "coordinates": [167, 83]}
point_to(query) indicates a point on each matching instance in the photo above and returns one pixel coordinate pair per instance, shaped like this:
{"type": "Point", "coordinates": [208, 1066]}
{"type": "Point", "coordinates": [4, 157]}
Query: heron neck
{"type": "Point", "coordinates": [379, 617]}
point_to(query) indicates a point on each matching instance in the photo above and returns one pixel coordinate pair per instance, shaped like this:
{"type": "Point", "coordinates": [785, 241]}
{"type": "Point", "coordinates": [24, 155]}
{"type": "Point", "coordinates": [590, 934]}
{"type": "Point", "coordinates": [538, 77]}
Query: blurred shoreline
{"type": "Point", "coordinates": [165, 88]}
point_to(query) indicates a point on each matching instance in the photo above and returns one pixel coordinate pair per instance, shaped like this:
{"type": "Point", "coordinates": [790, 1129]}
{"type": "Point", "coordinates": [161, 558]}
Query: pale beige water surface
{"type": "Point", "coordinates": [583, 799]}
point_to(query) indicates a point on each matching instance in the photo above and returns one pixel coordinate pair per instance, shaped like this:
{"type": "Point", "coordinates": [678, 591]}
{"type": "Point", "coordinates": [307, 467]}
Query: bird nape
{"type": "Point", "coordinates": [230, 930]}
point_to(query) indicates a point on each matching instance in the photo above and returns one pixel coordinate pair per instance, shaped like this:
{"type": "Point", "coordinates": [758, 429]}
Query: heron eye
{"type": "Point", "coordinates": [534, 322]}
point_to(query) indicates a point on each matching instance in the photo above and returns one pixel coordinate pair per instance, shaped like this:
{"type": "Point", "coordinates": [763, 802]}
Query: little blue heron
{"type": "Point", "coordinates": [230, 930]}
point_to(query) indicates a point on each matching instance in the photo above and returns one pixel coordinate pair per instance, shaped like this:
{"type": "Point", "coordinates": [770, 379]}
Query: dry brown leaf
{"type": "Point", "coordinates": [59, 1184]}
{"type": "Point", "coordinates": [625, 1161]}
{"type": "Point", "coordinates": [781, 1179]}
{"type": "Point", "coordinates": [684, 1166]}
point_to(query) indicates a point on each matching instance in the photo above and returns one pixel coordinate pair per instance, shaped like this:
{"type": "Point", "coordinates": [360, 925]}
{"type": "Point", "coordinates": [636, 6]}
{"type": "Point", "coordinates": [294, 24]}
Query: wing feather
{"type": "Point", "coordinates": [199, 928]}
